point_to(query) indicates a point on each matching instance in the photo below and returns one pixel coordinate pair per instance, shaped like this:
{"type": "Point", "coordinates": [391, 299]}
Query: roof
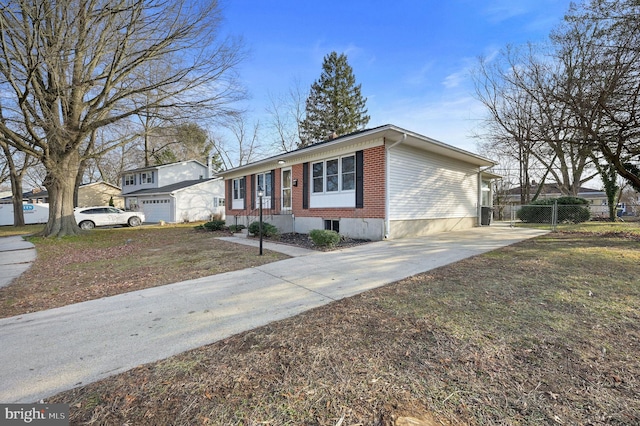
{"type": "Point", "coordinates": [388, 132]}
{"type": "Point", "coordinates": [38, 193]}
{"type": "Point", "coordinates": [167, 189]}
{"type": "Point", "coordinates": [160, 166]}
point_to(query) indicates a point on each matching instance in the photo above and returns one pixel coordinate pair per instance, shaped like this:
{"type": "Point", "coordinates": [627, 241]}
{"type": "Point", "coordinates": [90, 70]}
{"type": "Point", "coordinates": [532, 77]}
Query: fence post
{"type": "Point", "coordinates": [554, 216]}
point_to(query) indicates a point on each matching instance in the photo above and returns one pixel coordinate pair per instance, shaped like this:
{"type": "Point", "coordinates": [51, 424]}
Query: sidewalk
{"type": "Point", "coordinates": [16, 256]}
{"type": "Point", "coordinates": [51, 351]}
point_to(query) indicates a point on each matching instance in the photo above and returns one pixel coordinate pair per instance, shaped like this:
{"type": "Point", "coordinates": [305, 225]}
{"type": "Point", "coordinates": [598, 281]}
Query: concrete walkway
{"type": "Point", "coordinates": [16, 256]}
{"type": "Point", "coordinates": [46, 352]}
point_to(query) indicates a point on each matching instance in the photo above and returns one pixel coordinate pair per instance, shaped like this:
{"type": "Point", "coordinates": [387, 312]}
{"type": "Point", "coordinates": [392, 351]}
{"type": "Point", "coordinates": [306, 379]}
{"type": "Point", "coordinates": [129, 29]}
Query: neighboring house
{"type": "Point", "coordinates": [90, 194]}
{"type": "Point", "coordinates": [385, 182]}
{"type": "Point", "coordinates": [99, 194]}
{"type": "Point", "coordinates": [177, 192]}
{"type": "Point", "coordinates": [597, 198]}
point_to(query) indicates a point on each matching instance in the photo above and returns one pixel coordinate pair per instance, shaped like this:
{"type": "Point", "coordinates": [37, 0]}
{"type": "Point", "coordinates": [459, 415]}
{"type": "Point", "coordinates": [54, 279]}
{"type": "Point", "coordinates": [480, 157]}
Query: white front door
{"type": "Point", "coordinates": [286, 190]}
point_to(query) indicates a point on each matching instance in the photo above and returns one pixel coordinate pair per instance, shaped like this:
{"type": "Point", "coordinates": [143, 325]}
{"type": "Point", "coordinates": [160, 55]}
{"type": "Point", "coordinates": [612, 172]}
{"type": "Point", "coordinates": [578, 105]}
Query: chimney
{"type": "Point", "coordinates": [333, 135]}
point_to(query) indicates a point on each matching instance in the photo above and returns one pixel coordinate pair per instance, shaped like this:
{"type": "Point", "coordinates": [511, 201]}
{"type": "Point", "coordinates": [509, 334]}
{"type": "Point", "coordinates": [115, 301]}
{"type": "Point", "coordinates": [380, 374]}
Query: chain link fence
{"type": "Point", "coordinates": [552, 215]}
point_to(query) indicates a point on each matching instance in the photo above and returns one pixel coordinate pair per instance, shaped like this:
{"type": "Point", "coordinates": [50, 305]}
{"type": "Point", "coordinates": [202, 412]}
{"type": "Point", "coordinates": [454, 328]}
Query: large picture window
{"type": "Point", "coordinates": [335, 175]}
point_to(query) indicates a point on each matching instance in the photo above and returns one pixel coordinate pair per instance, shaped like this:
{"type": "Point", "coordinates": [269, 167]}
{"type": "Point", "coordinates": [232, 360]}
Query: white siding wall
{"type": "Point", "coordinates": [179, 172]}
{"type": "Point", "coordinates": [428, 186]}
{"type": "Point", "coordinates": [197, 202]}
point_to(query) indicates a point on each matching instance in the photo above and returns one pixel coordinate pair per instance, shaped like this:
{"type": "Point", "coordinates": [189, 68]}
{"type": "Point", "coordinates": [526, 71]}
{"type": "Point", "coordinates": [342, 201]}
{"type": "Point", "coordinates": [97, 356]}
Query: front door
{"type": "Point", "coordinates": [286, 190]}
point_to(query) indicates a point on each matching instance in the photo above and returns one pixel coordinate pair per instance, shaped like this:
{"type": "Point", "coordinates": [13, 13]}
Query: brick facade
{"type": "Point", "coordinates": [374, 192]}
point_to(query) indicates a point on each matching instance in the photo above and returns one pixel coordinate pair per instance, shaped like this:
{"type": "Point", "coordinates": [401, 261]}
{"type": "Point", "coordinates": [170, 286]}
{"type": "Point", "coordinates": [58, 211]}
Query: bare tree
{"type": "Point", "coordinates": [244, 146]}
{"type": "Point", "coordinates": [69, 68]}
{"type": "Point", "coordinates": [598, 46]}
{"type": "Point", "coordinates": [286, 113]}
{"type": "Point", "coordinates": [520, 93]}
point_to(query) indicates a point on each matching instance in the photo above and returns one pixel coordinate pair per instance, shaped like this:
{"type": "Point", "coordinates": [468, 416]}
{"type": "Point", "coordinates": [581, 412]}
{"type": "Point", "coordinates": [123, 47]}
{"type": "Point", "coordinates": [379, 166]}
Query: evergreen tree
{"type": "Point", "coordinates": [335, 103]}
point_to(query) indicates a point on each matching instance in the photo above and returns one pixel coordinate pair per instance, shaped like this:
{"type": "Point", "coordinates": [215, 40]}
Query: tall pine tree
{"type": "Point", "coordinates": [335, 103]}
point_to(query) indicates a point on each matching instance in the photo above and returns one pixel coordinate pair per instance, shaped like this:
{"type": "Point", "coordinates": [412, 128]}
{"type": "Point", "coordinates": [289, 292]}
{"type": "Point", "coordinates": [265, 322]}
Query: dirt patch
{"type": "Point", "coordinates": [303, 240]}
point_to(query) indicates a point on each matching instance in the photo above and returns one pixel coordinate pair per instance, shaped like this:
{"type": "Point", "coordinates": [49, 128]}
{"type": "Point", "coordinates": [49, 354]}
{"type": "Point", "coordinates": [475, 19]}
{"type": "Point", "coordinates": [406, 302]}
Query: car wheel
{"type": "Point", "coordinates": [134, 221]}
{"type": "Point", "coordinates": [87, 224]}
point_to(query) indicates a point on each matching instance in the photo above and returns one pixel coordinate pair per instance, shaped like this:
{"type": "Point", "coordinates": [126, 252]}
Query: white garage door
{"type": "Point", "coordinates": [157, 209]}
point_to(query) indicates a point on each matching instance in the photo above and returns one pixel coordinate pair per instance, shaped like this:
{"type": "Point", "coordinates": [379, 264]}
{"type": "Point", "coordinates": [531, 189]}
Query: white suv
{"type": "Point", "coordinates": [90, 217]}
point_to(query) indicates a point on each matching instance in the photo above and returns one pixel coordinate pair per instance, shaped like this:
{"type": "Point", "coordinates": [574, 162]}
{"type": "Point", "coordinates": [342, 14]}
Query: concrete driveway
{"type": "Point", "coordinates": [46, 352]}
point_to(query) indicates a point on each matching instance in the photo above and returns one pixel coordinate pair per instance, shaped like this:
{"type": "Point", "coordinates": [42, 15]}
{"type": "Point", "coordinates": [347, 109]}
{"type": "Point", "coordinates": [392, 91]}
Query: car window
{"type": "Point", "coordinates": [114, 210]}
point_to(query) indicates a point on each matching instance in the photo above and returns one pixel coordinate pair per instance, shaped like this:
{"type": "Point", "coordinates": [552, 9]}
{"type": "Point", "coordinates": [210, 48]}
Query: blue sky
{"type": "Point", "coordinates": [412, 57]}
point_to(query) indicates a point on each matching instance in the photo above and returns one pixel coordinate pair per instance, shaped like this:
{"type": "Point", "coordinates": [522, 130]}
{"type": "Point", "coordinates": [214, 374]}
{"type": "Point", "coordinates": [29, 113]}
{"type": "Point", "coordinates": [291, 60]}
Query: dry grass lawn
{"type": "Point", "coordinates": [545, 332]}
{"type": "Point", "coordinates": [107, 262]}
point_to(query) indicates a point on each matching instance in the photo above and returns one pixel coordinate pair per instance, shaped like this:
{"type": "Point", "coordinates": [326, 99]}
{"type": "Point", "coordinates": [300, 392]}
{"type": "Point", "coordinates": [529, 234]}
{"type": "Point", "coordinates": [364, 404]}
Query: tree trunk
{"type": "Point", "coordinates": [60, 183]}
{"type": "Point", "coordinates": [16, 199]}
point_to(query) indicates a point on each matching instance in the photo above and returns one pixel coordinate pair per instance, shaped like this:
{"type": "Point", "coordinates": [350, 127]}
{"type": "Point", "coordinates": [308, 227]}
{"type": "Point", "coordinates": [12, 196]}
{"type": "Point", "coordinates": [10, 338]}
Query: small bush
{"type": "Point", "coordinates": [324, 238]}
{"type": "Point", "coordinates": [268, 230]}
{"type": "Point", "coordinates": [214, 225]}
{"type": "Point", "coordinates": [236, 228]}
{"type": "Point", "coordinates": [570, 209]}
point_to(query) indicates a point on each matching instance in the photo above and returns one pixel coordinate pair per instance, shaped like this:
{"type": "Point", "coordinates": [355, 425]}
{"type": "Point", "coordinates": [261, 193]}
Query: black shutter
{"type": "Point", "coordinates": [244, 196]}
{"type": "Point", "coordinates": [359, 179]}
{"type": "Point", "coordinates": [253, 192]}
{"type": "Point", "coordinates": [229, 202]}
{"type": "Point", "coordinates": [305, 185]}
{"type": "Point", "coordinates": [273, 189]}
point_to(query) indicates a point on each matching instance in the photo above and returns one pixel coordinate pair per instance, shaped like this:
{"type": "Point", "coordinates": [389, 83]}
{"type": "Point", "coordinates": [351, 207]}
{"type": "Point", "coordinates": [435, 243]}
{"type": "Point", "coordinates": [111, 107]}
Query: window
{"type": "Point", "coordinates": [238, 189]}
{"type": "Point", "coordinates": [332, 225]}
{"type": "Point", "coordinates": [129, 180]}
{"type": "Point", "coordinates": [218, 202]}
{"type": "Point", "coordinates": [348, 173]}
{"type": "Point", "coordinates": [332, 175]}
{"type": "Point", "coordinates": [146, 177]}
{"type": "Point", "coordinates": [338, 174]}
{"type": "Point", "coordinates": [318, 177]}
{"type": "Point", "coordinates": [263, 180]}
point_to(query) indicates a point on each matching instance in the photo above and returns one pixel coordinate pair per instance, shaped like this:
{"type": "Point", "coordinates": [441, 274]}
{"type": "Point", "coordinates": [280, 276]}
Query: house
{"type": "Point", "coordinates": [379, 183]}
{"type": "Point", "coordinates": [178, 192]}
{"type": "Point", "coordinates": [597, 198]}
{"type": "Point", "coordinates": [90, 194]}
{"type": "Point", "coordinates": [99, 194]}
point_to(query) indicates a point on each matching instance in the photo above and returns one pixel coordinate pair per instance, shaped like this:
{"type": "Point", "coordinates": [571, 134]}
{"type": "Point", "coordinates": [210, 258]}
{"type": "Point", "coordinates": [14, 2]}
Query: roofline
{"type": "Point", "coordinates": [383, 131]}
{"type": "Point", "coordinates": [200, 181]}
{"type": "Point", "coordinates": [139, 169]}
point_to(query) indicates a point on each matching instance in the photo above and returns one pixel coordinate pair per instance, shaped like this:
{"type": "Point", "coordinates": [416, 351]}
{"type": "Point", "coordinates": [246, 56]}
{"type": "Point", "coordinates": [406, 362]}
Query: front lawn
{"type": "Point", "coordinates": [544, 332]}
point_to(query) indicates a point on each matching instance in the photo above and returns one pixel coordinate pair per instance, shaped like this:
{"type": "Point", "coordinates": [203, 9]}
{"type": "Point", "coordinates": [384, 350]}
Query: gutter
{"type": "Point", "coordinates": [387, 222]}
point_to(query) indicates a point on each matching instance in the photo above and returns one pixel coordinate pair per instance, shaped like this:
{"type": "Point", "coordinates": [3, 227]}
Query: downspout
{"type": "Point", "coordinates": [387, 222]}
{"type": "Point", "coordinates": [174, 206]}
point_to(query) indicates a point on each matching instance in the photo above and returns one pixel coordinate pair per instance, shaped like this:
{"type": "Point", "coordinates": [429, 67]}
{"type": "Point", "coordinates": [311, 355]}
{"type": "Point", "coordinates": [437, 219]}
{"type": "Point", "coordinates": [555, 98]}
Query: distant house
{"type": "Point", "coordinates": [99, 194]}
{"type": "Point", "coordinates": [380, 183]}
{"type": "Point", "coordinates": [179, 192]}
{"type": "Point", "coordinates": [90, 194]}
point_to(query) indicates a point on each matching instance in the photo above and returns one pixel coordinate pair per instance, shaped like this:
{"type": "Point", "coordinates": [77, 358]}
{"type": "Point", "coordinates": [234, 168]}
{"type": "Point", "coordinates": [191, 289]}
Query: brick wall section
{"type": "Point", "coordinates": [374, 191]}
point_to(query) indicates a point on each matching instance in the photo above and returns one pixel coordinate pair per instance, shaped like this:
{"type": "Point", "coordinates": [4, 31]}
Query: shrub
{"type": "Point", "coordinates": [214, 225]}
{"type": "Point", "coordinates": [268, 230]}
{"type": "Point", "coordinates": [570, 209]}
{"type": "Point", "coordinates": [236, 228]}
{"type": "Point", "coordinates": [324, 238]}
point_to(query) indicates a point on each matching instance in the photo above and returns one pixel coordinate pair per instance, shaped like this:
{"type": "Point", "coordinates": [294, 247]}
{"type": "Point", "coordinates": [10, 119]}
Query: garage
{"type": "Point", "coordinates": [157, 209]}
